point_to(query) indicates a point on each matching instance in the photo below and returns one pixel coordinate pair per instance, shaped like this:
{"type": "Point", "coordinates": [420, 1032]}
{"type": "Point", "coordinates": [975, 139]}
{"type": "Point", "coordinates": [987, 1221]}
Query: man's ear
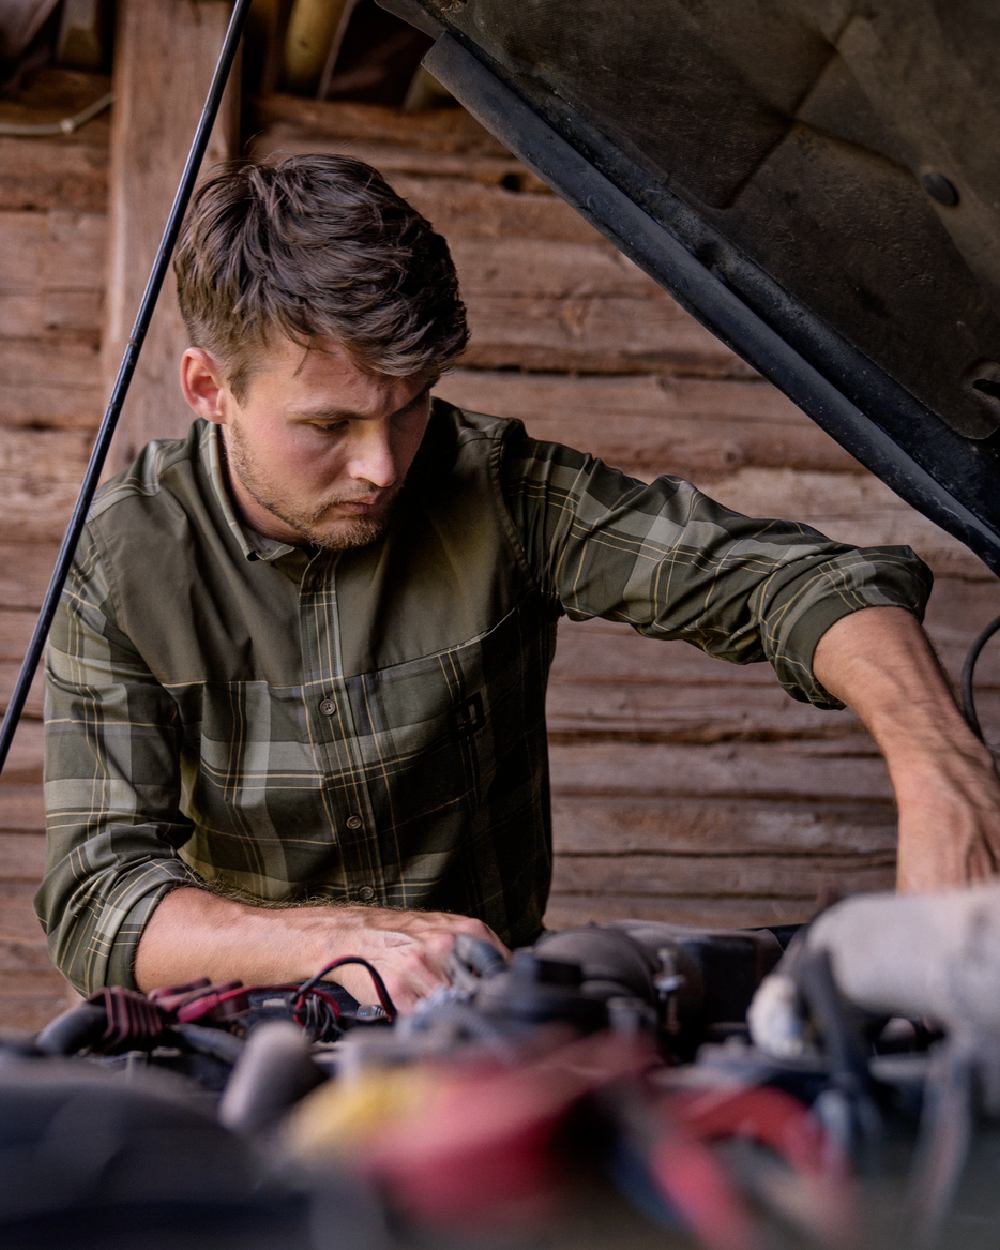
{"type": "Point", "coordinates": [203, 385]}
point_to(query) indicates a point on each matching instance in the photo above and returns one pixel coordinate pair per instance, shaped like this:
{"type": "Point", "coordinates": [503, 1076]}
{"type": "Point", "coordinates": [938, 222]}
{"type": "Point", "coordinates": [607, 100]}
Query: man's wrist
{"type": "Point", "coordinates": [927, 733]}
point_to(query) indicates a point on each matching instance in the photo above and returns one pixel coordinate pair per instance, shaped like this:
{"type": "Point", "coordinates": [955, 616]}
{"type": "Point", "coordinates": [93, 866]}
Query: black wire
{"type": "Point", "coordinates": [968, 668]}
{"type": "Point", "coordinates": [385, 1000]}
{"type": "Point", "coordinates": [946, 1134]}
{"type": "Point", "coordinates": [126, 370]}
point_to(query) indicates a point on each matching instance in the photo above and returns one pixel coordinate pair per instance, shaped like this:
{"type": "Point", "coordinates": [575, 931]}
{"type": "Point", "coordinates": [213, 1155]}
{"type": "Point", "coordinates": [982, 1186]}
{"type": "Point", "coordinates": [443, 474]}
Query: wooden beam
{"type": "Point", "coordinates": [314, 35]}
{"type": "Point", "coordinates": [164, 57]}
{"type": "Point", "coordinates": [83, 33]}
{"type": "Point", "coordinates": [264, 43]}
{"type": "Point", "coordinates": [277, 117]}
{"type": "Point", "coordinates": [346, 8]}
{"type": "Point", "coordinates": [22, 20]}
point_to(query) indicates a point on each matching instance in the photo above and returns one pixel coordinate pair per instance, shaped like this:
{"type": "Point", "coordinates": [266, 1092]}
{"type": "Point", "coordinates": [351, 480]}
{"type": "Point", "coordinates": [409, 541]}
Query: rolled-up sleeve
{"type": "Point", "coordinates": [112, 787]}
{"type": "Point", "coordinates": [676, 564]}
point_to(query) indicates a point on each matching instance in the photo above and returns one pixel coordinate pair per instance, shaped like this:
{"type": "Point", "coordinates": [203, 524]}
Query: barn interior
{"type": "Point", "coordinates": [631, 1082]}
{"type": "Point", "coordinates": [683, 789]}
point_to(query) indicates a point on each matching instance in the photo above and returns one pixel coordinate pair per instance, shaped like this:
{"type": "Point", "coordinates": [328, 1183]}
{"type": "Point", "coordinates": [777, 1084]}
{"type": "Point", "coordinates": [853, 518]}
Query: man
{"type": "Point", "coordinates": [296, 683]}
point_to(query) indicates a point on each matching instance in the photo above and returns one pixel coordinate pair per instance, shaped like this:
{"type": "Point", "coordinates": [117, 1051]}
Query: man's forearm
{"type": "Point", "coordinates": [195, 933]}
{"type": "Point", "coordinates": [880, 663]}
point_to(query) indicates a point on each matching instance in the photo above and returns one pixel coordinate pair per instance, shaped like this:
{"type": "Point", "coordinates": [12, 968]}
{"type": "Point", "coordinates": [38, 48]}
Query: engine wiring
{"type": "Point", "coordinates": [968, 671]}
{"type": "Point", "coordinates": [384, 998]}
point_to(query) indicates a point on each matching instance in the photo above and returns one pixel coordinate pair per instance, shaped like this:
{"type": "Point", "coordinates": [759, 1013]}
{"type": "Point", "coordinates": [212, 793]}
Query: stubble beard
{"type": "Point", "coordinates": [340, 535]}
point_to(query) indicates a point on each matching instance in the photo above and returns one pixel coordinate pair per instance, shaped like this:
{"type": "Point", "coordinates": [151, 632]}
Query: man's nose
{"type": "Point", "coordinates": [374, 458]}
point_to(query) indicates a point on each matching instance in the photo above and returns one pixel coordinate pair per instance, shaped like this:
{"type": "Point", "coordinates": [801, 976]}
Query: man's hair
{"type": "Point", "coordinates": [313, 245]}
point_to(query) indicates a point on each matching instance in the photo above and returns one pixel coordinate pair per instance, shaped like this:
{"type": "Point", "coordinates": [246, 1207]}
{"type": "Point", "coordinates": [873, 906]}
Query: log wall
{"type": "Point", "coordinates": [683, 788]}
{"type": "Point", "coordinates": [53, 235]}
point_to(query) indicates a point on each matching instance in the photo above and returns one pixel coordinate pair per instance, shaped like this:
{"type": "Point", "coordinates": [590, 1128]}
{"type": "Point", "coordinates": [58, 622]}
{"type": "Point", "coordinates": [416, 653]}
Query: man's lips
{"type": "Point", "coordinates": [358, 507]}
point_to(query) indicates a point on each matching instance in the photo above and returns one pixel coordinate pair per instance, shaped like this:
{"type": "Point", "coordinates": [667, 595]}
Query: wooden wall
{"type": "Point", "coordinates": [684, 789]}
{"type": "Point", "coordinates": [53, 228]}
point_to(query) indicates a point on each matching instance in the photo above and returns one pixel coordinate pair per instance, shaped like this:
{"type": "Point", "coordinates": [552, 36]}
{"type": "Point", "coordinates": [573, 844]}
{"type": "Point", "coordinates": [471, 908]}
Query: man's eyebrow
{"type": "Point", "coordinates": [327, 414]}
{"type": "Point", "coordinates": [348, 414]}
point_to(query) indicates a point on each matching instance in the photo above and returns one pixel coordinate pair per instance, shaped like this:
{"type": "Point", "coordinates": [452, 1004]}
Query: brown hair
{"type": "Point", "coordinates": [311, 246]}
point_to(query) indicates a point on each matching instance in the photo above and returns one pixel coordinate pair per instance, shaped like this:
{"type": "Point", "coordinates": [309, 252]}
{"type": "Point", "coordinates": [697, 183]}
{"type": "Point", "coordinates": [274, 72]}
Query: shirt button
{"type": "Point", "coordinates": [354, 822]}
{"type": "Point", "coordinates": [366, 894]}
{"type": "Point", "coordinates": [328, 707]}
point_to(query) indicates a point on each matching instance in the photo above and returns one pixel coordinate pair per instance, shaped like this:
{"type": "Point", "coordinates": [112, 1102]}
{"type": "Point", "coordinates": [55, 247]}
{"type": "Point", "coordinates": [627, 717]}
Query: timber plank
{"type": "Point", "coordinates": [24, 763]}
{"type": "Point", "coordinates": [42, 471]}
{"type": "Point", "coordinates": [958, 609]}
{"type": "Point", "coordinates": [812, 769]}
{"type": "Point", "coordinates": [585, 710]}
{"type": "Point", "coordinates": [22, 811]}
{"type": "Point", "coordinates": [545, 268]}
{"type": "Point", "coordinates": [567, 910]}
{"type": "Point", "coordinates": [63, 173]}
{"type": "Point", "coordinates": [463, 210]}
{"type": "Point", "coordinates": [22, 856]}
{"type": "Point", "coordinates": [29, 1003]}
{"type": "Point", "coordinates": [56, 250]}
{"type": "Point", "coordinates": [452, 131]}
{"type": "Point", "coordinates": [50, 382]}
{"type": "Point", "coordinates": [51, 92]}
{"type": "Point", "coordinates": [25, 951]}
{"type": "Point", "coordinates": [711, 826]}
{"type": "Point", "coordinates": [9, 670]}
{"type": "Point", "coordinates": [28, 979]}
{"type": "Point", "coordinates": [25, 569]}
{"type": "Point", "coordinates": [593, 334]}
{"type": "Point", "coordinates": [489, 167]}
{"type": "Point", "coordinates": [60, 368]}
{"type": "Point", "coordinates": [580, 709]}
{"type": "Point", "coordinates": [18, 912]}
{"type": "Point", "coordinates": [741, 875]}
{"type": "Point", "coordinates": [53, 314]}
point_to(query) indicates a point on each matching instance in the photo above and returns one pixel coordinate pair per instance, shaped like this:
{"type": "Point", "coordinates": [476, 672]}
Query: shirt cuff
{"type": "Point", "coordinates": [805, 608]}
{"type": "Point", "coordinates": [122, 946]}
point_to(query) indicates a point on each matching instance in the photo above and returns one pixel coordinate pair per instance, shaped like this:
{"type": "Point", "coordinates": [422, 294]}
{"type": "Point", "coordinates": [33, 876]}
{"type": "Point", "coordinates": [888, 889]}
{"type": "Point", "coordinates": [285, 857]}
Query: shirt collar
{"type": "Point", "coordinates": [254, 546]}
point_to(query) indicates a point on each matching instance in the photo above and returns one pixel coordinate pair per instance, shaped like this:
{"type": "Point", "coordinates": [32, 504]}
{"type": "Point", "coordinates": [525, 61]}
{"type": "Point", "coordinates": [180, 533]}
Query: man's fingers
{"type": "Point", "coordinates": [411, 951]}
{"type": "Point", "coordinates": [410, 971]}
{"type": "Point", "coordinates": [476, 929]}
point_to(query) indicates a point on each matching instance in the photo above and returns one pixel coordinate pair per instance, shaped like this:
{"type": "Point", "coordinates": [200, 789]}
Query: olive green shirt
{"type": "Point", "coordinates": [368, 725]}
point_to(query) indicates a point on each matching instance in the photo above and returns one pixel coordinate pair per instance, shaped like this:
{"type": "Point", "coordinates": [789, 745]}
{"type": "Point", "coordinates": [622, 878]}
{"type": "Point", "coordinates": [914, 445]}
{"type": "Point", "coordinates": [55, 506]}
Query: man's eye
{"type": "Point", "coordinates": [330, 427]}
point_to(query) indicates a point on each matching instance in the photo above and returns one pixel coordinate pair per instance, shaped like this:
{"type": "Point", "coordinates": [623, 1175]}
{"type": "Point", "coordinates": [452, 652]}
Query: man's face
{"type": "Point", "coordinates": [318, 449]}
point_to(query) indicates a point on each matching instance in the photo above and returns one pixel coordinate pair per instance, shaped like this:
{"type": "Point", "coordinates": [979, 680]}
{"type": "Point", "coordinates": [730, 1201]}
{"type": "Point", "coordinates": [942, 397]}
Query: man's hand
{"type": "Point", "coordinates": [195, 933]}
{"type": "Point", "coordinates": [410, 949]}
{"type": "Point", "coordinates": [880, 662]}
{"type": "Point", "coordinates": [949, 819]}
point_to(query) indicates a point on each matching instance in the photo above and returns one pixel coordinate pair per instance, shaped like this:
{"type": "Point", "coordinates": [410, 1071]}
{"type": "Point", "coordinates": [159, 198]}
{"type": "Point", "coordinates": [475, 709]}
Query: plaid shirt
{"type": "Point", "coordinates": [368, 725]}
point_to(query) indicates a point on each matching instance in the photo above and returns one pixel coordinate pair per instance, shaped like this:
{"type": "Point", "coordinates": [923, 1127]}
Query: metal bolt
{"type": "Point", "coordinates": [940, 189]}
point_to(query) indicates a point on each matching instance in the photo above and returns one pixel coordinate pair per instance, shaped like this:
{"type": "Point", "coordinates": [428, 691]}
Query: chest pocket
{"type": "Point", "coordinates": [441, 735]}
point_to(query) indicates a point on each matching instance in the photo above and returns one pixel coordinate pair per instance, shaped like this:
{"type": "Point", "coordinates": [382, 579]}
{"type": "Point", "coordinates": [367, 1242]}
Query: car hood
{"type": "Point", "coordinates": [815, 180]}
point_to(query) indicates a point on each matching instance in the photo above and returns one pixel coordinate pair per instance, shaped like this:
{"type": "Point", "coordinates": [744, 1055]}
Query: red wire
{"type": "Point", "coordinates": [769, 1116]}
{"type": "Point", "coordinates": [243, 990]}
{"type": "Point", "coordinates": [694, 1184]}
{"type": "Point", "coordinates": [385, 1001]}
